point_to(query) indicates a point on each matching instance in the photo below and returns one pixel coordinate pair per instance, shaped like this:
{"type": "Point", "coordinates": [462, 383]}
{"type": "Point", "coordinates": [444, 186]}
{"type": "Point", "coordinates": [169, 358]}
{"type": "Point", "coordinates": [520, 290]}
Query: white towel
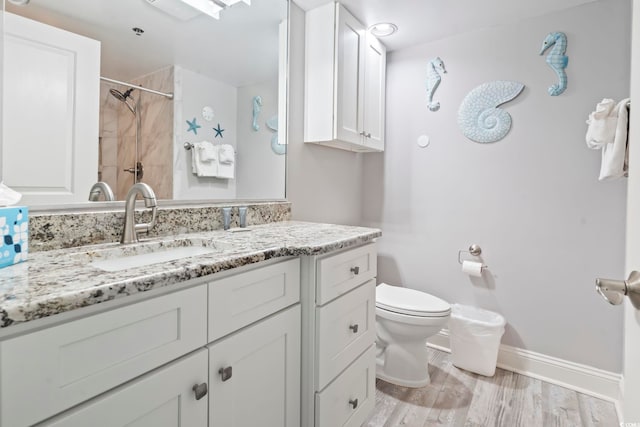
{"type": "Point", "coordinates": [208, 151]}
{"type": "Point", "coordinates": [226, 154]}
{"type": "Point", "coordinates": [226, 161]}
{"type": "Point", "coordinates": [203, 167]}
{"type": "Point", "coordinates": [610, 134]}
{"type": "Point", "coordinates": [602, 124]}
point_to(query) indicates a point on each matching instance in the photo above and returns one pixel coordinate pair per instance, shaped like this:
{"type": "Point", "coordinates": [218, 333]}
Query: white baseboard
{"type": "Point", "coordinates": [582, 378]}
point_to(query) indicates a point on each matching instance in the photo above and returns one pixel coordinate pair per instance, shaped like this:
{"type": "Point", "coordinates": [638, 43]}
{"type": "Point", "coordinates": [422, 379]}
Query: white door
{"type": "Point", "coordinates": [631, 368]}
{"type": "Point", "coordinates": [51, 112]}
{"type": "Point", "coordinates": [255, 374]}
{"type": "Point", "coordinates": [374, 93]}
{"type": "Point", "coordinates": [162, 398]}
{"type": "Point", "coordinates": [349, 98]}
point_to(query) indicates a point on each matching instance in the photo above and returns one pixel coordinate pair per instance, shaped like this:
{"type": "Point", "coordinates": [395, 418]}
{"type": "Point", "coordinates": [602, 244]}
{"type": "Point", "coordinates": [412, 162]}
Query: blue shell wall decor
{"type": "Point", "coordinates": [557, 60]}
{"type": "Point", "coordinates": [479, 119]}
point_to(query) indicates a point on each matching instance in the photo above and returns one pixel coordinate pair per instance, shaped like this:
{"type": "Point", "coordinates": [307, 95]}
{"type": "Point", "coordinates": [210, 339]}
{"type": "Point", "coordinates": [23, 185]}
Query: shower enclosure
{"type": "Point", "coordinates": [134, 146]}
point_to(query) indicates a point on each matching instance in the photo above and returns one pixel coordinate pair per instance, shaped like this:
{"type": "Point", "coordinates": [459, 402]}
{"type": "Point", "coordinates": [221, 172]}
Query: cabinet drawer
{"type": "Point", "coordinates": [162, 398]}
{"type": "Point", "coordinates": [349, 400]}
{"type": "Point", "coordinates": [46, 372]}
{"type": "Point", "coordinates": [239, 300]}
{"type": "Point", "coordinates": [344, 329]}
{"type": "Point", "coordinates": [340, 273]}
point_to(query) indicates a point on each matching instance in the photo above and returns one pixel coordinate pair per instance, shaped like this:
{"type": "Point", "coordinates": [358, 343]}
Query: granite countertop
{"type": "Point", "coordinates": [58, 281]}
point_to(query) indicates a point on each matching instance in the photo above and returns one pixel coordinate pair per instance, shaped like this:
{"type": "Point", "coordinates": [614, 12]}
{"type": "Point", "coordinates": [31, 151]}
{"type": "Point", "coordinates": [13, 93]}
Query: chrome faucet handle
{"type": "Point", "coordinates": [131, 229]}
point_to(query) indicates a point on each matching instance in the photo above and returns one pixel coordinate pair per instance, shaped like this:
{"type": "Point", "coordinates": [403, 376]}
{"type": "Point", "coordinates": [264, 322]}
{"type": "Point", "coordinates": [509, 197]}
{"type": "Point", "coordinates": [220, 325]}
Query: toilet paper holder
{"type": "Point", "coordinates": [474, 250]}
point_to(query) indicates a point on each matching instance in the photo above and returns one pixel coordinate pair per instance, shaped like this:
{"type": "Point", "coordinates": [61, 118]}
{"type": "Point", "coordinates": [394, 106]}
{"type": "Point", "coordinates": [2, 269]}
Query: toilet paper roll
{"type": "Point", "coordinates": [472, 268]}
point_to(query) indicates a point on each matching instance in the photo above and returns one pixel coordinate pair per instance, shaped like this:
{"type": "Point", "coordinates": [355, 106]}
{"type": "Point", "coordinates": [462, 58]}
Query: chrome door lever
{"type": "Point", "coordinates": [614, 291]}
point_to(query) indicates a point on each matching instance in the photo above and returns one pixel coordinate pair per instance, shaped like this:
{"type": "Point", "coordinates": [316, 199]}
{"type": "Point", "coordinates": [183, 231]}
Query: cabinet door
{"type": "Point", "coordinates": [374, 93]}
{"type": "Point", "coordinates": [162, 398]}
{"type": "Point", "coordinates": [255, 374]}
{"type": "Point", "coordinates": [350, 35]}
{"type": "Point", "coordinates": [51, 112]}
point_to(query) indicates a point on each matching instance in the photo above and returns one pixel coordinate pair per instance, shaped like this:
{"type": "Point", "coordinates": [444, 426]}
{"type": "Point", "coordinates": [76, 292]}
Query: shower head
{"type": "Point", "coordinates": [119, 95]}
{"type": "Point", "coordinates": [122, 97]}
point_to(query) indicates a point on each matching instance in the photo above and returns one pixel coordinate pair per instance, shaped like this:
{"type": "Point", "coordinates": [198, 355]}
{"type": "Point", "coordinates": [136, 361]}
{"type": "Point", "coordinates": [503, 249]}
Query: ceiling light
{"type": "Point", "coordinates": [232, 2]}
{"type": "Point", "coordinates": [19, 2]}
{"type": "Point", "coordinates": [205, 6]}
{"type": "Point", "coordinates": [383, 29]}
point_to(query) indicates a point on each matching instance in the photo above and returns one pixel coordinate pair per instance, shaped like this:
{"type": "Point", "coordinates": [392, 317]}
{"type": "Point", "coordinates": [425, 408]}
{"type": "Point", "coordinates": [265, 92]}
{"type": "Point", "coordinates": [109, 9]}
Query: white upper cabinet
{"type": "Point", "coordinates": [51, 102]}
{"type": "Point", "coordinates": [344, 82]}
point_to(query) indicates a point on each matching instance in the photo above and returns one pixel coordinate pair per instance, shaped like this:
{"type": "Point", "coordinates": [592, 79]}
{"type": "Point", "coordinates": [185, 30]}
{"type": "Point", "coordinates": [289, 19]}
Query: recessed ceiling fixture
{"type": "Point", "coordinates": [189, 9]}
{"type": "Point", "coordinates": [383, 29]}
{"type": "Point", "coordinates": [138, 31]}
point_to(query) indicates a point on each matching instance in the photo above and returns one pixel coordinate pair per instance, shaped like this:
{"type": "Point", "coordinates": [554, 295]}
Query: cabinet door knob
{"type": "Point", "coordinates": [225, 373]}
{"type": "Point", "coordinates": [363, 134]}
{"type": "Point", "coordinates": [368, 135]}
{"type": "Point", "coordinates": [200, 390]}
{"type": "Point", "coordinates": [355, 270]}
{"type": "Point", "coordinates": [354, 328]}
{"type": "Point", "coordinates": [353, 403]}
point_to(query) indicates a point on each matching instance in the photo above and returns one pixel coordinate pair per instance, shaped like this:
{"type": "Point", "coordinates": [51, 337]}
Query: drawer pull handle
{"type": "Point", "coordinates": [200, 390]}
{"type": "Point", "coordinates": [225, 373]}
{"type": "Point", "coordinates": [353, 403]}
{"type": "Point", "coordinates": [354, 328]}
{"type": "Point", "coordinates": [355, 270]}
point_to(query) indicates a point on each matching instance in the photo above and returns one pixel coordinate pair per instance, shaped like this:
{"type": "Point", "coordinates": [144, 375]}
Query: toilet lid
{"type": "Point", "coordinates": [410, 301]}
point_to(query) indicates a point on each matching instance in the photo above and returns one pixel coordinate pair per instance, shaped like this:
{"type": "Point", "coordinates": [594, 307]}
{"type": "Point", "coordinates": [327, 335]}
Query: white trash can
{"type": "Point", "coordinates": [474, 336]}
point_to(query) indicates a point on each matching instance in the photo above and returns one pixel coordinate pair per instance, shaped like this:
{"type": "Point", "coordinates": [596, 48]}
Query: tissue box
{"type": "Point", "coordinates": [14, 226]}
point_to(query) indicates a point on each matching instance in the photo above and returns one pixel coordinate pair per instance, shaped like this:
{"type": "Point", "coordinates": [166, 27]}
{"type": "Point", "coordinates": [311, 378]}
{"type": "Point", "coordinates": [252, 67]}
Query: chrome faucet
{"type": "Point", "coordinates": [131, 229]}
{"type": "Point", "coordinates": [98, 188]}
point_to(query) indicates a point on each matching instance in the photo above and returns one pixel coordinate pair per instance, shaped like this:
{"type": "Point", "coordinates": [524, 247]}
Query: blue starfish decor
{"type": "Point", "coordinates": [218, 131]}
{"type": "Point", "coordinates": [193, 126]}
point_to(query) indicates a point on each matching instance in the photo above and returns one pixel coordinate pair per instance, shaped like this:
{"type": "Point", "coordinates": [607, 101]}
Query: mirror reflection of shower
{"type": "Point", "coordinates": [137, 170]}
{"type": "Point", "coordinates": [129, 139]}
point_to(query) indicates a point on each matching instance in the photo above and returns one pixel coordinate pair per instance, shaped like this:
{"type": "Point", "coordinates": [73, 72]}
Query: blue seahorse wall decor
{"type": "Point", "coordinates": [257, 106]}
{"type": "Point", "coordinates": [433, 81]}
{"type": "Point", "coordinates": [557, 60]}
{"type": "Point", "coordinates": [479, 119]}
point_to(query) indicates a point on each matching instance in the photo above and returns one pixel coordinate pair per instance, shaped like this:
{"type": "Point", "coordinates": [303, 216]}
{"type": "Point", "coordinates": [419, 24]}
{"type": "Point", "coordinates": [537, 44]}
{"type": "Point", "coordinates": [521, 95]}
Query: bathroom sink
{"type": "Point", "coordinates": [123, 257]}
{"type": "Point", "coordinates": [132, 261]}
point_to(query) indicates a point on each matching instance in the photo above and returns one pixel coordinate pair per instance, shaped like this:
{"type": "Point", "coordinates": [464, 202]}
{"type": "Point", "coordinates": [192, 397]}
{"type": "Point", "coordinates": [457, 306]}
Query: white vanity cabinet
{"type": "Point", "coordinates": [155, 362]}
{"type": "Point", "coordinates": [344, 81]}
{"type": "Point", "coordinates": [338, 338]}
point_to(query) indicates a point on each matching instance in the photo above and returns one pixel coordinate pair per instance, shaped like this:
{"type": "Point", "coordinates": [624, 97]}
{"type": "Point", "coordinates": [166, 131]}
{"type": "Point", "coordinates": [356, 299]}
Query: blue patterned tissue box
{"type": "Point", "coordinates": [14, 225]}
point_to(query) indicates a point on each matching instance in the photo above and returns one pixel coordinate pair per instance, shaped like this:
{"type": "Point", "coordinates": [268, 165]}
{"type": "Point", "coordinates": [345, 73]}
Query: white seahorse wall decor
{"type": "Point", "coordinates": [433, 81]}
{"type": "Point", "coordinates": [557, 60]}
{"type": "Point", "coordinates": [257, 106]}
{"type": "Point", "coordinates": [479, 118]}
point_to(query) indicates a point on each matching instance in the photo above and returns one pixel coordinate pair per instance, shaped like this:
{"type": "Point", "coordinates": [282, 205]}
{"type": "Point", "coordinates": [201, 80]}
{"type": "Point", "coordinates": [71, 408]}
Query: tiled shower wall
{"type": "Point", "coordinates": [117, 136]}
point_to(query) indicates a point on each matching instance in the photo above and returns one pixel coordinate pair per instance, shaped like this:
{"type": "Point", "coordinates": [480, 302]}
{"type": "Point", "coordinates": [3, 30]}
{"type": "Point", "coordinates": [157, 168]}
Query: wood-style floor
{"type": "Point", "coordinates": [459, 398]}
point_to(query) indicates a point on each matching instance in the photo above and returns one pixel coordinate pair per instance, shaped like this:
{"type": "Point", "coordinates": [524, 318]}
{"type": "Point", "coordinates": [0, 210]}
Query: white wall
{"type": "Point", "coordinates": [532, 201]}
{"type": "Point", "coordinates": [260, 171]}
{"type": "Point", "coordinates": [193, 91]}
{"type": "Point", "coordinates": [631, 367]}
{"type": "Point", "coordinates": [324, 184]}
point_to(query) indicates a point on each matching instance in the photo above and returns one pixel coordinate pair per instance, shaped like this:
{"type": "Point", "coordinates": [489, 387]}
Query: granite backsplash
{"type": "Point", "coordinates": [49, 231]}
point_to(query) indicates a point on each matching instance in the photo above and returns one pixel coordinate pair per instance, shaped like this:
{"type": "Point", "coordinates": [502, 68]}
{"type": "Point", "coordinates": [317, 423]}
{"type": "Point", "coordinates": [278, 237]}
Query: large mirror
{"type": "Point", "coordinates": [149, 90]}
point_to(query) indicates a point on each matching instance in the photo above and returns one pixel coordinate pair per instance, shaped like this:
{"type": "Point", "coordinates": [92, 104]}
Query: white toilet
{"type": "Point", "coordinates": [405, 318]}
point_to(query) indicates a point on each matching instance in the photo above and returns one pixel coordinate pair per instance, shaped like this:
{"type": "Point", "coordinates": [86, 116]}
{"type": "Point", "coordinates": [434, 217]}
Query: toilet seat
{"type": "Point", "coordinates": [410, 302]}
